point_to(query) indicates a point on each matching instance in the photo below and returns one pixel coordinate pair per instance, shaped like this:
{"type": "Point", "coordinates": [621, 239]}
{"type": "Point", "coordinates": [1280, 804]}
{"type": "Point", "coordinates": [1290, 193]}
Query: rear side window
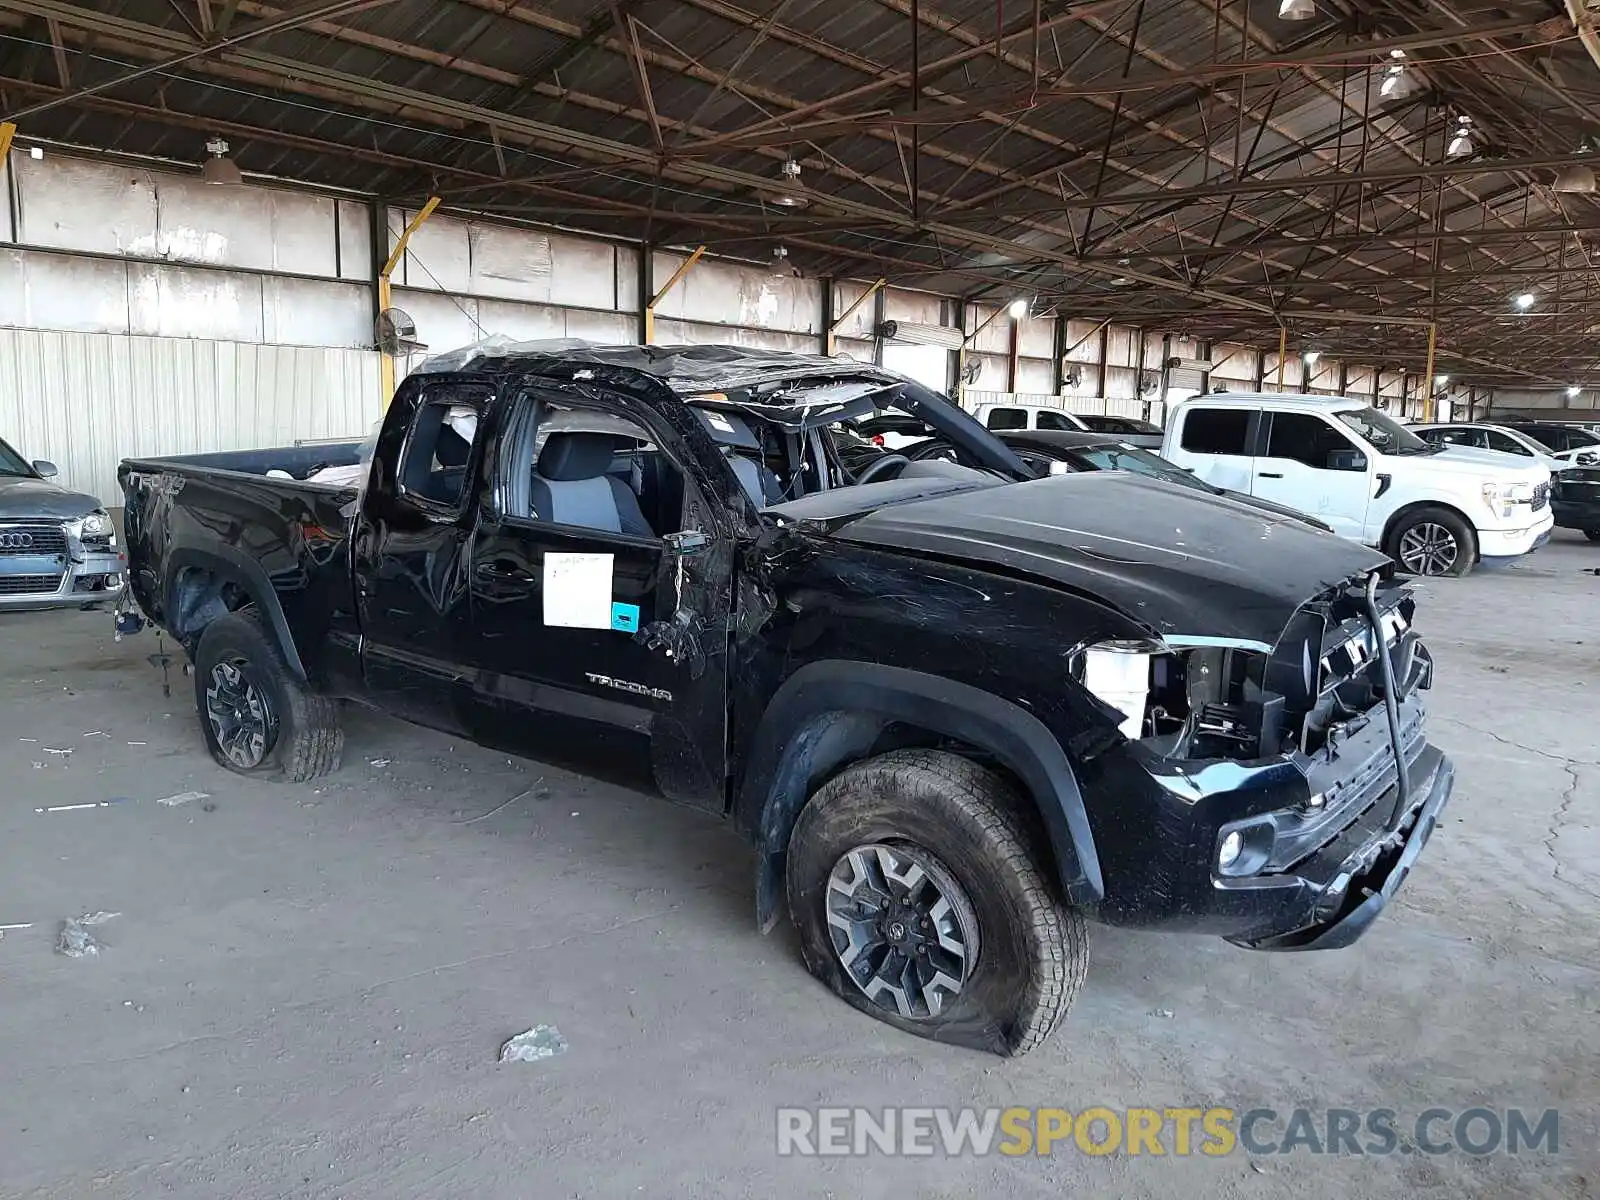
{"type": "Point", "coordinates": [1451, 437]}
{"type": "Point", "coordinates": [1008, 418]}
{"type": "Point", "coordinates": [1217, 431]}
{"type": "Point", "coordinates": [433, 465]}
{"type": "Point", "coordinates": [1306, 439]}
{"type": "Point", "coordinates": [1506, 444]}
{"type": "Point", "coordinates": [1056, 421]}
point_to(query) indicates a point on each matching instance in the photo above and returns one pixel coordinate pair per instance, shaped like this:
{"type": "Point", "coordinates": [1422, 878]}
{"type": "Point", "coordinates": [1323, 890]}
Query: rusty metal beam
{"type": "Point", "coordinates": [316, 10]}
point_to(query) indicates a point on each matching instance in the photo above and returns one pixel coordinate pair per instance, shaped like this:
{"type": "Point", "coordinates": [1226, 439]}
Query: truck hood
{"type": "Point", "coordinates": [29, 497]}
{"type": "Point", "coordinates": [1176, 561]}
{"type": "Point", "coordinates": [1492, 466]}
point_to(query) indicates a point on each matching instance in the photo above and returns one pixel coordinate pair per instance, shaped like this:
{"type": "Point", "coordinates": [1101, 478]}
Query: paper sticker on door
{"type": "Point", "coordinates": [625, 618]}
{"type": "Point", "coordinates": [577, 591]}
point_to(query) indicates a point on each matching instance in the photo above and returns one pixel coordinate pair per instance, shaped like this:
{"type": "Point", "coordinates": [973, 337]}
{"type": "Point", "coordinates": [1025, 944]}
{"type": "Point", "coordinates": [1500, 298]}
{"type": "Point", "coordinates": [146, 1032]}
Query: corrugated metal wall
{"type": "Point", "coordinates": [86, 401]}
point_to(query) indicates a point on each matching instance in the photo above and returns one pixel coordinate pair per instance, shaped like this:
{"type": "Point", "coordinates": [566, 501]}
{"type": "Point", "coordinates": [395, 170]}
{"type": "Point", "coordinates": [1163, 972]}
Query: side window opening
{"type": "Point", "coordinates": [1008, 418]}
{"type": "Point", "coordinates": [1305, 439]}
{"type": "Point", "coordinates": [1217, 431]}
{"type": "Point", "coordinates": [1506, 445]}
{"type": "Point", "coordinates": [592, 469]}
{"type": "Point", "coordinates": [1056, 421]}
{"type": "Point", "coordinates": [433, 466]}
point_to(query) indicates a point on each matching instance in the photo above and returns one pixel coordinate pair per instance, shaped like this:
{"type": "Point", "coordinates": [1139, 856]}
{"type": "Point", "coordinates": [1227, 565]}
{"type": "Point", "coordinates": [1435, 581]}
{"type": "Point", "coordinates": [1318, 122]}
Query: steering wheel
{"type": "Point", "coordinates": [881, 465]}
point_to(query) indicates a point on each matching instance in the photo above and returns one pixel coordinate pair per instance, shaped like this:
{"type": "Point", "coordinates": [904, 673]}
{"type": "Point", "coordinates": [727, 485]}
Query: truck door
{"type": "Point", "coordinates": [599, 593]}
{"type": "Point", "coordinates": [410, 544]}
{"type": "Point", "coordinates": [1217, 443]}
{"type": "Point", "coordinates": [1315, 468]}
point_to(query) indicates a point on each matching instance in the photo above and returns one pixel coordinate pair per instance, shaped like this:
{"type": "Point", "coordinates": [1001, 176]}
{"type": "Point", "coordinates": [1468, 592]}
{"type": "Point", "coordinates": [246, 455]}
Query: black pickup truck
{"type": "Point", "coordinates": [958, 708]}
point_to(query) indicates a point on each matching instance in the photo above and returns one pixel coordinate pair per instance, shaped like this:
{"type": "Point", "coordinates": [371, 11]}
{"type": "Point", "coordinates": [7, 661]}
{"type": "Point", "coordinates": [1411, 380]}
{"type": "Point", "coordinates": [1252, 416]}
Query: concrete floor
{"type": "Point", "coordinates": [306, 988]}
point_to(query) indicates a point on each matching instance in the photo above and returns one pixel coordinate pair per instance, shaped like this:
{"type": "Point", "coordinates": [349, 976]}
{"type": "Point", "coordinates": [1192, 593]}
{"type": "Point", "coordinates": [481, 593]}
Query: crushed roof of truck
{"type": "Point", "coordinates": [687, 370]}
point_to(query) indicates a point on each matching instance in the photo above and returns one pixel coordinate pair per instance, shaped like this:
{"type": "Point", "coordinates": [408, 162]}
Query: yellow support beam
{"type": "Point", "coordinates": [1283, 352]}
{"type": "Point", "coordinates": [385, 291]}
{"type": "Point", "coordinates": [1427, 404]}
{"type": "Point", "coordinates": [650, 308]}
{"type": "Point", "coordinates": [831, 345]}
{"type": "Point", "coordinates": [8, 130]}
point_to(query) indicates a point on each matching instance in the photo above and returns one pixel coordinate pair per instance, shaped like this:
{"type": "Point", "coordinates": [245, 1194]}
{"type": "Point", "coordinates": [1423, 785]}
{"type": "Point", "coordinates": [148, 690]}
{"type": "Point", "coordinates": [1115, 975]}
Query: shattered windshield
{"type": "Point", "coordinates": [792, 443]}
{"type": "Point", "coordinates": [1386, 434]}
{"type": "Point", "coordinates": [12, 464]}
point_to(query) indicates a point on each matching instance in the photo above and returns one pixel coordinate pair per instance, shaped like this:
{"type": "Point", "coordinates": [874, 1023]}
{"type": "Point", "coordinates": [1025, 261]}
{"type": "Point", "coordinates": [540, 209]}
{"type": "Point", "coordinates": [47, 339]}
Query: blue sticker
{"type": "Point", "coordinates": [625, 617]}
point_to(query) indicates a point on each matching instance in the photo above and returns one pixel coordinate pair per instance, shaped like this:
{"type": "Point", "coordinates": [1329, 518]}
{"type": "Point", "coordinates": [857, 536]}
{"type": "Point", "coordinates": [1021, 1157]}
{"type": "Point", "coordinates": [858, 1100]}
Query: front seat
{"type": "Point", "coordinates": [571, 486]}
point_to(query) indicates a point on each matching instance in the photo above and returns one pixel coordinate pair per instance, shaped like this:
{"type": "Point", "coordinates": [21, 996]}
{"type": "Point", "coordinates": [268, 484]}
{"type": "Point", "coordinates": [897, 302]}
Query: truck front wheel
{"type": "Point", "coordinates": [922, 898]}
{"type": "Point", "coordinates": [257, 718]}
{"type": "Point", "coordinates": [1433, 541]}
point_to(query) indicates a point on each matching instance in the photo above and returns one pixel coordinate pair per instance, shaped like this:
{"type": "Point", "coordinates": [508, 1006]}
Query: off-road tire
{"type": "Point", "coordinates": [1466, 539]}
{"type": "Point", "coordinates": [1592, 534]}
{"type": "Point", "coordinates": [309, 741]}
{"type": "Point", "coordinates": [1033, 950]}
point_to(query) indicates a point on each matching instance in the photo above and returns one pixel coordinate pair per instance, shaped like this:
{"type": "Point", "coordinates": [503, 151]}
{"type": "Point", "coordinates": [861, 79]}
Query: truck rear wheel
{"type": "Point", "coordinates": [257, 718]}
{"type": "Point", "coordinates": [923, 899]}
{"type": "Point", "coordinates": [1433, 541]}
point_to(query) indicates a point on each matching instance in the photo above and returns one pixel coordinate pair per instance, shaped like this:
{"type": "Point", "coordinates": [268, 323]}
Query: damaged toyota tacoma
{"type": "Point", "coordinates": [960, 710]}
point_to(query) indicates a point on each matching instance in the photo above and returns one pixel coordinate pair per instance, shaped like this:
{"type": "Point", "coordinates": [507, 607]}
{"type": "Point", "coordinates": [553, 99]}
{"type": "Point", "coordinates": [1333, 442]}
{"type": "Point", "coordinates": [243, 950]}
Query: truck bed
{"type": "Point", "coordinates": [193, 520]}
{"type": "Point", "coordinates": [298, 461]}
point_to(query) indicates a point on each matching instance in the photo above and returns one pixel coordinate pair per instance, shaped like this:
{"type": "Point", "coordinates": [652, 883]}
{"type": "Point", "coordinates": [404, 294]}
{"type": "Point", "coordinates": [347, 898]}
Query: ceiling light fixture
{"type": "Point", "coordinates": [220, 170]}
{"type": "Point", "coordinates": [787, 193]}
{"type": "Point", "coordinates": [37, 154]}
{"type": "Point", "coordinates": [1311, 357]}
{"type": "Point", "coordinates": [1018, 309]}
{"type": "Point", "coordinates": [1296, 10]}
{"type": "Point", "coordinates": [1576, 179]}
{"type": "Point", "coordinates": [1395, 85]}
{"type": "Point", "coordinates": [781, 266]}
{"type": "Point", "coordinates": [1440, 380]}
{"type": "Point", "coordinates": [1460, 141]}
{"type": "Point", "coordinates": [1574, 392]}
{"type": "Point", "coordinates": [1525, 301]}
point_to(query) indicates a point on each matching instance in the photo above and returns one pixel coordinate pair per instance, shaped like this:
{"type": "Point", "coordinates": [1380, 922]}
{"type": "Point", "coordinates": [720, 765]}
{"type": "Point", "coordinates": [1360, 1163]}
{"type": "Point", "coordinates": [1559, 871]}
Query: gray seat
{"type": "Point", "coordinates": [571, 486]}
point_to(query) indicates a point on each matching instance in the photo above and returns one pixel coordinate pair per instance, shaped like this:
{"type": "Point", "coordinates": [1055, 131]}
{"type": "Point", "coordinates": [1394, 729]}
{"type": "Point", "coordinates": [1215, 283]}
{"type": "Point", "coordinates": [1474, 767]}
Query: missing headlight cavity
{"type": "Point", "coordinates": [1199, 699]}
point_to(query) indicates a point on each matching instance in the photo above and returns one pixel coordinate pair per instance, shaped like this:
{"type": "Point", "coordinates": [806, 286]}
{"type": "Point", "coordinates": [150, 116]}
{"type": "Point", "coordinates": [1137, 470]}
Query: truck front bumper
{"type": "Point", "coordinates": [1332, 898]}
{"type": "Point", "coordinates": [61, 582]}
{"type": "Point", "coordinates": [1507, 544]}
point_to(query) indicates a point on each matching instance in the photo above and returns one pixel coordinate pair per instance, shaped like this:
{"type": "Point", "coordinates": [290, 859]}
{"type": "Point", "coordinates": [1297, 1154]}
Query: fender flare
{"type": "Point", "coordinates": [828, 713]}
{"type": "Point", "coordinates": [229, 563]}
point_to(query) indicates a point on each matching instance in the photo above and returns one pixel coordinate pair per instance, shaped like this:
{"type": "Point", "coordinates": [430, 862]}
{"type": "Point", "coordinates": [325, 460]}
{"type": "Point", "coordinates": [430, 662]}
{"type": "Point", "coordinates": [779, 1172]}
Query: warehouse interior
{"type": "Point", "coordinates": [229, 224]}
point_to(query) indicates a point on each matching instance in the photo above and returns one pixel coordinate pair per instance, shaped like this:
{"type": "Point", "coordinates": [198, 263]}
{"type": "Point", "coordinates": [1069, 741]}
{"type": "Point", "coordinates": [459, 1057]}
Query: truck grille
{"type": "Point", "coordinates": [29, 585]}
{"type": "Point", "coordinates": [1541, 496]}
{"type": "Point", "coordinates": [32, 538]}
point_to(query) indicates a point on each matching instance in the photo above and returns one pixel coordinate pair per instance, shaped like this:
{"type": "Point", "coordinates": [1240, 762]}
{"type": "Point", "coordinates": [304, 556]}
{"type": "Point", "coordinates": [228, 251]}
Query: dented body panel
{"type": "Point", "coordinates": [775, 644]}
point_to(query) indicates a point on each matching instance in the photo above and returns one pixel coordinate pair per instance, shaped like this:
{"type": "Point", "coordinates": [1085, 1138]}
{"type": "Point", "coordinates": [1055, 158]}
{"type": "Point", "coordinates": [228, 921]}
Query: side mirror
{"type": "Point", "coordinates": [1346, 460]}
{"type": "Point", "coordinates": [45, 468]}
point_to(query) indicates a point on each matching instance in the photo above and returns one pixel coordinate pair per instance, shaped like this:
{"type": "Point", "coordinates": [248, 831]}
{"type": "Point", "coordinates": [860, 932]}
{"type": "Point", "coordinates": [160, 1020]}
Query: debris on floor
{"type": "Point", "coordinates": [75, 939]}
{"type": "Point", "coordinates": [183, 798]}
{"type": "Point", "coordinates": [80, 807]}
{"type": "Point", "coordinates": [540, 1042]}
{"type": "Point", "coordinates": [380, 762]}
{"type": "Point", "coordinates": [53, 750]}
{"type": "Point", "coordinates": [19, 925]}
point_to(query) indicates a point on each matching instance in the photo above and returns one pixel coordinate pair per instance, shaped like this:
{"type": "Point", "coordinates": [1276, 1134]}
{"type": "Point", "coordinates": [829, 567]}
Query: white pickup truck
{"type": "Point", "coordinates": [1435, 511]}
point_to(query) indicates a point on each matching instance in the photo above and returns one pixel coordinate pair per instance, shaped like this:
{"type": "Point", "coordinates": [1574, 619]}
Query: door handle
{"type": "Point", "coordinates": [1269, 474]}
{"type": "Point", "coordinates": [503, 573]}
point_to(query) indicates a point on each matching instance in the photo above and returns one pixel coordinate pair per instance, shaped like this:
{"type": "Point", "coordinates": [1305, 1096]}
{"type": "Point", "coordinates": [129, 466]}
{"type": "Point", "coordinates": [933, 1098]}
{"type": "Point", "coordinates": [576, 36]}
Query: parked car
{"type": "Point", "coordinates": [1434, 511]}
{"type": "Point", "coordinates": [999, 417]}
{"type": "Point", "coordinates": [959, 710]}
{"type": "Point", "coordinates": [1503, 439]}
{"type": "Point", "coordinates": [1561, 438]}
{"type": "Point", "coordinates": [57, 548]}
{"type": "Point", "coordinates": [1575, 500]}
{"type": "Point", "coordinates": [1051, 453]}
